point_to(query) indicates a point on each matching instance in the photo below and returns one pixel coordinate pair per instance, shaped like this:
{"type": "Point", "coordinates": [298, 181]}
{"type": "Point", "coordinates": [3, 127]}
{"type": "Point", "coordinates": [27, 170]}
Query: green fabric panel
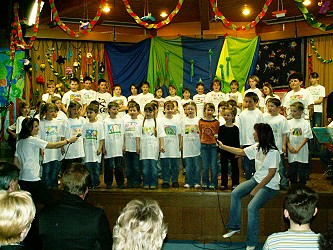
{"type": "Point", "coordinates": [241, 52]}
{"type": "Point", "coordinates": [163, 53]}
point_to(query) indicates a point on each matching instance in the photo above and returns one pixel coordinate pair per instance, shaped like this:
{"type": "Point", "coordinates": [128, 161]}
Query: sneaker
{"type": "Point", "coordinates": [186, 185]}
{"type": "Point", "coordinates": [204, 187]}
{"type": "Point", "coordinates": [250, 247]}
{"type": "Point", "coordinates": [234, 186]}
{"type": "Point", "coordinates": [145, 187]}
{"type": "Point", "coordinates": [175, 185]}
{"type": "Point", "coordinates": [230, 233]}
{"type": "Point", "coordinates": [197, 186]}
{"type": "Point", "coordinates": [223, 187]}
{"type": "Point", "coordinates": [153, 187]}
{"type": "Point", "coordinates": [212, 187]}
{"type": "Point", "coordinates": [165, 185]}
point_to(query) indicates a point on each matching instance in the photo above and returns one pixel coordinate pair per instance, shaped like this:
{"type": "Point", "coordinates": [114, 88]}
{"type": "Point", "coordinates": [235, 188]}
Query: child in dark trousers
{"type": "Point", "coordinates": [229, 135]}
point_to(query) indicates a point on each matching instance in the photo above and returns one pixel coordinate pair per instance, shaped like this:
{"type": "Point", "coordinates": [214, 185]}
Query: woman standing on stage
{"type": "Point", "coordinates": [263, 185]}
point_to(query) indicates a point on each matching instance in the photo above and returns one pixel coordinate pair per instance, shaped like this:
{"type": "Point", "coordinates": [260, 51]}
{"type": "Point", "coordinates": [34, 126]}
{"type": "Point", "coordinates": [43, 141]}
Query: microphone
{"type": "Point", "coordinates": [78, 135]}
{"type": "Point", "coordinates": [216, 136]}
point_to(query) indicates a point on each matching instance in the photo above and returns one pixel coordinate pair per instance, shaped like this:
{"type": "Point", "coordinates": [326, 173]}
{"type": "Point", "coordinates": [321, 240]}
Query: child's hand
{"type": "Point", "coordinates": [138, 150]}
{"type": "Point", "coordinates": [162, 150]}
{"type": "Point", "coordinates": [99, 151]}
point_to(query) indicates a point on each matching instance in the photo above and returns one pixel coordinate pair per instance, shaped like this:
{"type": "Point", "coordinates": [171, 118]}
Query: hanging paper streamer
{"type": "Point", "coordinates": [228, 65]}
{"type": "Point", "coordinates": [55, 72]}
{"type": "Point", "coordinates": [310, 63]}
{"type": "Point", "coordinates": [222, 72]}
{"type": "Point", "coordinates": [192, 70]}
{"type": "Point", "coordinates": [153, 26]}
{"type": "Point", "coordinates": [210, 54]}
{"type": "Point", "coordinates": [310, 19]}
{"type": "Point", "coordinates": [317, 53]}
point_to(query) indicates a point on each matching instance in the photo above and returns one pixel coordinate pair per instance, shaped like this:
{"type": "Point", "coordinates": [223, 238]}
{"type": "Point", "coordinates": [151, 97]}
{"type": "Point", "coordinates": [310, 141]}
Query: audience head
{"type": "Point", "coordinates": [300, 204]}
{"type": "Point", "coordinates": [9, 176]}
{"type": "Point", "coordinates": [76, 179]}
{"type": "Point", "coordinates": [17, 211]}
{"type": "Point", "coordinates": [140, 226]}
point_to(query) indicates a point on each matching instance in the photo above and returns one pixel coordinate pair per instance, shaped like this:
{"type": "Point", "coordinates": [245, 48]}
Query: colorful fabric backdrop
{"type": "Point", "coordinates": [182, 62]}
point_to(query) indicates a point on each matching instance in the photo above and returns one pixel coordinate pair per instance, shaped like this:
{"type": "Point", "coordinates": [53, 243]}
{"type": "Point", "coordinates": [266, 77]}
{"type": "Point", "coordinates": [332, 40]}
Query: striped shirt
{"type": "Point", "coordinates": [290, 240]}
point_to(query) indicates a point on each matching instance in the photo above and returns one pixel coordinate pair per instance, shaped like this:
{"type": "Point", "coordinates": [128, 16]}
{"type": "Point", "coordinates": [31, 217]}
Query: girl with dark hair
{"type": "Point", "coordinates": [261, 187]}
{"type": "Point", "coordinates": [27, 158]}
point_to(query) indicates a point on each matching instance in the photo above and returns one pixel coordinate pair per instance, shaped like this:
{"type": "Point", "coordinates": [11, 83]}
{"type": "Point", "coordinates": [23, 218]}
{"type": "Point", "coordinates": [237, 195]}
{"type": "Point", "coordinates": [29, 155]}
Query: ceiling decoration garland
{"type": "Point", "coordinates": [310, 19]}
{"type": "Point", "coordinates": [317, 53]}
{"type": "Point", "coordinates": [232, 26]}
{"type": "Point", "coordinates": [153, 26]}
{"type": "Point", "coordinates": [16, 39]}
{"type": "Point", "coordinates": [70, 32]}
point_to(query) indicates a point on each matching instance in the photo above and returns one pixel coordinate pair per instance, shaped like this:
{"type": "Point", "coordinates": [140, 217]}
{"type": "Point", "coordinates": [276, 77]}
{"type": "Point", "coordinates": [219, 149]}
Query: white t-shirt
{"type": "Point", "coordinates": [27, 151]}
{"type": "Point", "coordinates": [299, 129]}
{"type": "Point", "coordinates": [61, 117]}
{"type": "Point", "coordinates": [178, 99]}
{"type": "Point", "coordinates": [144, 99]}
{"type": "Point", "coordinates": [93, 133]}
{"type": "Point", "coordinates": [129, 130]}
{"type": "Point", "coordinates": [172, 130]}
{"type": "Point", "coordinates": [317, 92]}
{"type": "Point", "coordinates": [133, 98]}
{"type": "Point", "coordinates": [237, 96]}
{"type": "Point", "coordinates": [303, 95]}
{"type": "Point", "coordinates": [73, 96]}
{"type": "Point", "coordinates": [263, 163]}
{"type": "Point", "coordinates": [88, 95]}
{"type": "Point", "coordinates": [51, 131]}
{"type": "Point", "coordinates": [73, 127]}
{"type": "Point", "coordinates": [19, 121]}
{"type": "Point", "coordinates": [215, 98]}
{"type": "Point", "coordinates": [103, 99]}
{"type": "Point", "coordinates": [200, 102]}
{"type": "Point", "coordinates": [122, 102]}
{"type": "Point", "coordinates": [149, 134]}
{"type": "Point", "coordinates": [114, 137]}
{"type": "Point", "coordinates": [191, 137]}
{"type": "Point", "coordinates": [46, 96]}
{"type": "Point", "coordinates": [259, 94]}
{"type": "Point", "coordinates": [247, 119]}
{"type": "Point", "coordinates": [279, 126]}
{"type": "Point", "coordinates": [161, 102]}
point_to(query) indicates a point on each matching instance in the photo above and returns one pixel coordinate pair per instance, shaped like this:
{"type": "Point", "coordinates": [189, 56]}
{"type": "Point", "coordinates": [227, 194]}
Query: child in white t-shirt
{"type": "Point", "coordinates": [120, 99]}
{"type": "Point", "coordinates": [199, 98]}
{"type": "Point", "coordinates": [132, 159]}
{"type": "Point", "coordinates": [113, 147]}
{"type": "Point", "coordinates": [174, 97]}
{"type": "Point", "coordinates": [149, 143]}
{"type": "Point", "coordinates": [268, 93]}
{"type": "Point", "coordinates": [104, 98]}
{"type": "Point", "coordinates": [160, 100]}
{"type": "Point", "coordinates": [298, 152]}
{"type": "Point", "coordinates": [172, 145]}
{"type": "Point", "coordinates": [134, 88]}
{"type": "Point", "coordinates": [145, 97]}
{"type": "Point", "coordinates": [74, 95]}
{"type": "Point", "coordinates": [50, 92]}
{"type": "Point", "coordinates": [88, 93]}
{"type": "Point", "coordinates": [253, 81]}
{"type": "Point", "coordinates": [234, 94]}
{"type": "Point", "coordinates": [216, 96]}
{"type": "Point", "coordinates": [93, 141]}
{"type": "Point", "coordinates": [191, 146]}
{"type": "Point", "coordinates": [186, 96]}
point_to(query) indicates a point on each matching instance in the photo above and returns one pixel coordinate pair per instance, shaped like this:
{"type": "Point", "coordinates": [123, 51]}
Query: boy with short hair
{"type": "Point", "coordinates": [199, 98]}
{"type": "Point", "coordinates": [186, 96]}
{"type": "Point", "coordinates": [300, 206]}
{"type": "Point", "coordinates": [103, 97]}
{"type": "Point", "coordinates": [120, 99]}
{"type": "Point", "coordinates": [145, 97]}
{"type": "Point", "coordinates": [216, 96]}
{"type": "Point", "coordinates": [113, 147]}
{"type": "Point", "coordinates": [253, 82]}
{"type": "Point", "coordinates": [93, 141]}
{"type": "Point", "coordinates": [174, 97]}
{"type": "Point", "coordinates": [73, 95]}
{"type": "Point", "coordinates": [298, 94]}
{"type": "Point", "coordinates": [50, 92]}
{"type": "Point", "coordinates": [61, 116]}
{"type": "Point", "coordinates": [280, 127]}
{"type": "Point", "coordinates": [247, 118]}
{"type": "Point", "coordinates": [88, 93]}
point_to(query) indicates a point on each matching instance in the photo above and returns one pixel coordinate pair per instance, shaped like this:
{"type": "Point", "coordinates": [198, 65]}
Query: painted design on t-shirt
{"type": "Point", "coordinates": [51, 131]}
{"type": "Point", "coordinates": [170, 130]}
{"type": "Point", "coordinates": [297, 131]}
{"type": "Point", "coordinates": [75, 97]}
{"type": "Point", "coordinates": [76, 129]}
{"type": "Point", "coordinates": [208, 131]}
{"type": "Point", "coordinates": [91, 134]}
{"type": "Point", "coordinates": [199, 100]}
{"type": "Point", "coordinates": [149, 131]}
{"type": "Point", "coordinates": [102, 105]}
{"type": "Point", "coordinates": [191, 129]}
{"type": "Point", "coordinates": [114, 129]}
{"type": "Point", "coordinates": [130, 126]}
{"type": "Point", "coordinates": [120, 102]}
{"type": "Point", "coordinates": [296, 97]}
{"type": "Point", "coordinates": [276, 129]}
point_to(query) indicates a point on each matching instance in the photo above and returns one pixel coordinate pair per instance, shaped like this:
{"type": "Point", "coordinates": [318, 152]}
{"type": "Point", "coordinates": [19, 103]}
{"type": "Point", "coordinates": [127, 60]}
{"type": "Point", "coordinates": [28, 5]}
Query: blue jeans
{"type": "Point", "coordinates": [257, 202]}
{"type": "Point", "coordinates": [116, 164]}
{"type": "Point", "coordinates": [133, 168]}
{"type": "Point", "coordinates": [94, 169]}
{"type": "Point", "coordinates": [249, 166]}
{"type": "Point", "coordinates": [150, 177]}
{"type": "Point", "coordinates": [50, 174]}
{"type": "Point", "coordinates": [209, 159]}
{"type": "Point", "coordinates": [192, 176]}
{"type": "Point", "coordinates": [284, 182]}
{"type": "Point", "coordinates": [168, 164]}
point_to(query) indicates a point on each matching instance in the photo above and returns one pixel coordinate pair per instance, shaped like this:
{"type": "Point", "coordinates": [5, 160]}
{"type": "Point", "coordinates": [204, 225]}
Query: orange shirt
{"type": "Point", "coordinates": [207, 130]}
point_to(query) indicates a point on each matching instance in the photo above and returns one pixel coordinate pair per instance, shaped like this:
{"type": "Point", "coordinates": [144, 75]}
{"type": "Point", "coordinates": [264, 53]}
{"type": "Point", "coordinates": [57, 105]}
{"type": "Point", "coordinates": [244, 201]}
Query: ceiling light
{"type": "Point", "coordinates": [33, 13]}
{"type": "Point", "coordinates": [246, 10]}
{"type": "Point", "coordinates": [163, 14]}
{"type": "Point", "coordinates": [306, 2]}
{"type": "Point", "coordinates": [106, 8]}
